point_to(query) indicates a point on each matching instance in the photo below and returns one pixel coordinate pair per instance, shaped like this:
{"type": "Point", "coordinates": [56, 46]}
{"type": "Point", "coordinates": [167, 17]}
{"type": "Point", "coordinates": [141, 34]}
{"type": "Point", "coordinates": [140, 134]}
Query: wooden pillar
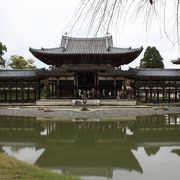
{"type": "Point", "coordinates": [150, 94]}
{"type": "Point", "coordinates": [16, 94]}
{"type": "Point", "coordinates": [77, 82]}
{"type": "Point", "coordinates": [22, 91]}
{"type": "Point", "coordinates": [48, 89]}
{"type": "Point", "coordinates": [175, 92]}
{"type": "Point", "coordinates": [114, 90]}
{"type": "Point", "coordinates": [39, 89]}
{"type": "Point", "coordinates": [5, 94]}
{"type": "Point", "coordinates": [169, 94]}
{"type": "Point", "coordinates": [52, 88]}
{"type": "Point", "coordinates": [96, 82]}
{"type": "Point", "coordinates": [135, 85]}
{"type": "Point", "coordinates": [60, 88]}
{"type": "Point", "coordinates": [163, 93]}
{"type": "Point", "coordinates": [57, 88]}
{"type": "Point", "coordinates": [34, 92]}
{"type": "Point", "coordinates": [146, 95]}
{"type": "Point", "coordinates": [28, 93]}
{"type": "Point", "coordinates": [138, 95]}
{"type": "Point", "coordinates": [157, 95]}
{"type": "Point", "coordinates": [10, 93]}
{"type": "Point", "coordinates": [97, 86]}
{"type": "Point", "coordinates": [74, 86]}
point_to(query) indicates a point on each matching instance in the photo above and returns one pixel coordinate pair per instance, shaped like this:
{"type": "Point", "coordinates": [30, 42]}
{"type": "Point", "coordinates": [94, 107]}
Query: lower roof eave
{"type": "Point", "coordinates": [155, 78]}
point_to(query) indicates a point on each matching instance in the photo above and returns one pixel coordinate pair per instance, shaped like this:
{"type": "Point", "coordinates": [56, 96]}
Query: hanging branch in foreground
{"type": "Point", "coordinates": [101, 14]}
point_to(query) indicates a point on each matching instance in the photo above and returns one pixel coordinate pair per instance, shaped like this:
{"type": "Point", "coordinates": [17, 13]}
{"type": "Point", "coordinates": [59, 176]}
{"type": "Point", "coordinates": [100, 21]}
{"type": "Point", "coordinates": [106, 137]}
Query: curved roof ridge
{"type": "Point", "coordinates": [71, 40]}
{"type": "Point", "coordinates": [155, 69]}
{"type": "Point", "coordinates": [87, 38]}
{"type": "Point", "coordinates": [45, 49]}
{"type": "Point", "coordinates": [128, 48]}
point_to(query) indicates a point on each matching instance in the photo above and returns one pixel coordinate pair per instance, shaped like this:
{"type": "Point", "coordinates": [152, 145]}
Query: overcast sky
{"type": "Point", "coordinates": [41, 23]}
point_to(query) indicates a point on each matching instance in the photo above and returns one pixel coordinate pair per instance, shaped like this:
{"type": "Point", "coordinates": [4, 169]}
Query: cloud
{"type": "Point", "coordinates": [26, 23]}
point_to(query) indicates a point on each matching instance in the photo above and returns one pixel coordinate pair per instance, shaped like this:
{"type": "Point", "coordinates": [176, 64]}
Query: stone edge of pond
{"type": "Point", "coordinates": [93, 113]}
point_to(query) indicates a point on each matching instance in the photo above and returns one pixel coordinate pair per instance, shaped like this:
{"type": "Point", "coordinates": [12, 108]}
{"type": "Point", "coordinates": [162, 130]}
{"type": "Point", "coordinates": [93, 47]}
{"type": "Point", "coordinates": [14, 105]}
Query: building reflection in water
{"type": "Point", "coordinates": [88, 147]}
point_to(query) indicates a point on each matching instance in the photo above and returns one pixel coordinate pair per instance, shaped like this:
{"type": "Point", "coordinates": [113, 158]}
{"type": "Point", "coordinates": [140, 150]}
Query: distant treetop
{"type": "Point", "coordinates": [2, 50]}
{"type": "Point", "coordinates": [19, 62]}
{"type": "Point", "coordinates": [151, 59]}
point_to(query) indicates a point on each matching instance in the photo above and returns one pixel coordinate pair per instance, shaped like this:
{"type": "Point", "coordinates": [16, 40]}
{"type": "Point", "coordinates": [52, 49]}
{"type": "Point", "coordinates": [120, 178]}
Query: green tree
{"type": "Point", "coordinates": [19, 62]}
{"type": "Point", "coordinates": [151, 59]}
{"type": "Point", "coordinates": [2, 50]}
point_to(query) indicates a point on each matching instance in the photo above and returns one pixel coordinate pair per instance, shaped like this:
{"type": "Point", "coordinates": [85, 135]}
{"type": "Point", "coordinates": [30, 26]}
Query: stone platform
{"type": "Point", "coordinates": [90, 102]}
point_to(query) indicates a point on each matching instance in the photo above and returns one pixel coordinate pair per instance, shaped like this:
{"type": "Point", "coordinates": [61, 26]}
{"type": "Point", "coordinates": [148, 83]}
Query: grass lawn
{"type": "Point", "coordinates": [11, 168]}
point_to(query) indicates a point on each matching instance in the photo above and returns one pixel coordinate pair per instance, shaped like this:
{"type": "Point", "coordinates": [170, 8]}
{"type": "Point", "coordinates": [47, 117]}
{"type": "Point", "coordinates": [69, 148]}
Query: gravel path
{"type": "Point", "coordinates": [99, 112]}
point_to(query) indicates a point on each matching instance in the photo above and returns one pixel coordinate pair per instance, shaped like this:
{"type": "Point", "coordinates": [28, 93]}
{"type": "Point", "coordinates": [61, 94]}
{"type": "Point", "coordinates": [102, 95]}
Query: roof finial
{"type": "Point", "coordinates": [65, 41]}
{"type": "Point", "coordinates": [107, 42]}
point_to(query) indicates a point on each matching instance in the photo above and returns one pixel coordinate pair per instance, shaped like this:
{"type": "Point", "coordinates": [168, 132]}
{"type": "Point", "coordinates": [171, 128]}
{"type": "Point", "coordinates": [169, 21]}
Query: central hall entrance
{"type": "Point", "coordinates": [86, 80]}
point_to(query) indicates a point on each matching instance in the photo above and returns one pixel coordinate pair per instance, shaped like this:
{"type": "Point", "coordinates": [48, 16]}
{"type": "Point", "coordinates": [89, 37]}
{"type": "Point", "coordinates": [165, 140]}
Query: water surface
{"type": "Point", "coordinates": [139, 148]}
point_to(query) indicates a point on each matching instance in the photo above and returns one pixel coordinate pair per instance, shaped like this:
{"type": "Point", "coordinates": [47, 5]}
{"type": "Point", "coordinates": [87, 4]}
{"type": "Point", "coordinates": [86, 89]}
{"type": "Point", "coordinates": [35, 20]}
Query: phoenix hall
{"type": "Point", "coordinates": [91, 65]}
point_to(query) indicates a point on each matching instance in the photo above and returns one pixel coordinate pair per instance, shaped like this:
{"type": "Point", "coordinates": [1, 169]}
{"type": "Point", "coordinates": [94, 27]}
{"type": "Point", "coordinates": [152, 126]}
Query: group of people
{"type": "Point", "coordinates": [120, 94]}
{"type": "Point", "coordinates": [88, 93]}
{"type": "Point", "coordinates": [92, 93]}
{"type": "Point", "coordinates": [124, 93]}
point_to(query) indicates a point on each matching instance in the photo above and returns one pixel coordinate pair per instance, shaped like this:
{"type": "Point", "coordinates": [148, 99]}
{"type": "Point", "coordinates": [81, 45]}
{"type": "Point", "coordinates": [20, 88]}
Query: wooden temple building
{"type": "Point", "coordinates": [91, 65]}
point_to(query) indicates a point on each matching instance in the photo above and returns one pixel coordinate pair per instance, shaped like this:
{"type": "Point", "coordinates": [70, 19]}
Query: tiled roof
{"type": "Point", "coordinates": [177, 61]}
{"type": "Point", "coordinates": [151, 74]}
{"type": "Point", "coordinates": [17, 74]}
{"type": "Point", "coordinates": [70, 45]}
{"type": "Point", "coordinates": [155, 73]}
{"type": "Point", "coordinates": [116, 72]}
{"type": "Point", "coordinates": [53, 72]}
{"type": "Point", "coordinates": [86, 68]}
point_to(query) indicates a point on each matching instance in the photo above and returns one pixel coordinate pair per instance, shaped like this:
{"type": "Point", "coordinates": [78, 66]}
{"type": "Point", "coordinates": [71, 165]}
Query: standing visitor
{"type": "Point", "coordinates": [79, 93]}
{"type": "Point", "coordinates": [88, 93]}
{"type": "Point", "coordinates": [93, 92]}
{"type": "Point", "coordinates": [103, 93]}
{"type": "Point", "coordinates": [118, 95]}
{"type": "Point", "coordinates": [109, 94]}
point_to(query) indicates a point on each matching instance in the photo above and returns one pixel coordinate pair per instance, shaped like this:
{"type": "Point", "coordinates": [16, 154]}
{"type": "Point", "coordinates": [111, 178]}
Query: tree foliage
{"type": "Point", "coordinates": [151, 59]}
{"type": "Point", "coordinates": [3, 49]}
{"type": "Point", "coordinates": [19, 62]}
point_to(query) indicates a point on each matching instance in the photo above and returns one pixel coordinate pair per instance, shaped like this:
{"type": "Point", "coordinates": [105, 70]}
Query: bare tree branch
{"type": "Point", "coordinates": [101, 14]}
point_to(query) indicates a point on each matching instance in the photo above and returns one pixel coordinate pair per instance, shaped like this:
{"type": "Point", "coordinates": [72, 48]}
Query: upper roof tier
{"type": "Point", "coordinates": [86, 51]}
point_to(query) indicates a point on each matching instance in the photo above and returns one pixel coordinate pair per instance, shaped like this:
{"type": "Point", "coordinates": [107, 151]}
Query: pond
{"type": "Point", "coordinates": [137, 148]}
